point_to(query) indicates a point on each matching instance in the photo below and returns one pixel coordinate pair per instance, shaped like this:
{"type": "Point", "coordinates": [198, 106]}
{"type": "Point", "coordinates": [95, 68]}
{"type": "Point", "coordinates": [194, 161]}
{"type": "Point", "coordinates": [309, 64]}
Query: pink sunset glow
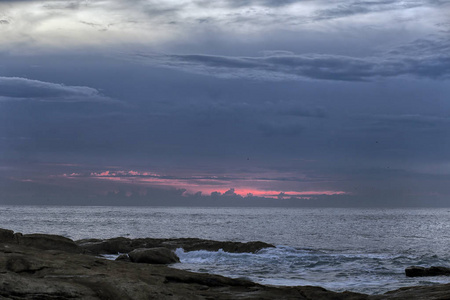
{"type": "Point", "coordinates": [207, 185]}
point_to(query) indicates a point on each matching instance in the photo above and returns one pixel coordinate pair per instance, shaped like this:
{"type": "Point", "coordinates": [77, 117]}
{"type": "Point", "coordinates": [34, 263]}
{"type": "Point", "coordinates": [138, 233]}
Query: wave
{"type": "Point", "coordinates": [371, 273]}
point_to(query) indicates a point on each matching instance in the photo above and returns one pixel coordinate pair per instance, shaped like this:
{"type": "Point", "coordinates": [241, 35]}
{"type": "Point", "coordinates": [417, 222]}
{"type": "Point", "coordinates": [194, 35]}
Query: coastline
{"type": "Point", "coordinates": [42, 266]}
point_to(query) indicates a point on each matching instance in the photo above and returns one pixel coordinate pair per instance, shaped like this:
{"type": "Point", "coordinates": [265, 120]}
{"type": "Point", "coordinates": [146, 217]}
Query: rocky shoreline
{"type": "Point", "coordinates": [40, 266]}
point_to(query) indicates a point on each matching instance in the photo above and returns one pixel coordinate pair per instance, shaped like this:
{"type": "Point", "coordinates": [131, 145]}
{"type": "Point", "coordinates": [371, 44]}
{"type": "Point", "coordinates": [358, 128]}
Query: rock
{"type": "Point", "coordinates": [429, 292]}
{"type": "Point", "coordinates": [108, 246]}
{"type": "Point", "coordinates": [49, 242]}
{"type": "Point", "coordinates": [125, 245]}
{"type": "Point", "coordinates": [232, 247]}
{"type": "Point", "coordinates": [153, 256]}
{"type": "Point", "coordinates": [416, 271]}
{"type": "Point", "coordinates": [6, 235]}
{"type": "Point", "coordinates": [28, 272]}
{"type": "Point", "coordinates": [49, 274]}
{"type": "Point", "coordinates": [123, 257]}
{"type": "Point", "coordinates": [205, 279]}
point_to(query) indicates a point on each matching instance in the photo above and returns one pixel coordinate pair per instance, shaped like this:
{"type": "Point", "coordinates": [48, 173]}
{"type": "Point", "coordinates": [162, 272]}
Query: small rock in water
{"type": "Point", "coordinates": [416, 271]}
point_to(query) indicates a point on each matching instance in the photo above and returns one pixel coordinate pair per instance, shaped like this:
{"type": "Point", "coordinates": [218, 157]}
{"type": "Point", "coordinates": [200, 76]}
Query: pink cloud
{"type": "Point", "coordinates": [241, 185]}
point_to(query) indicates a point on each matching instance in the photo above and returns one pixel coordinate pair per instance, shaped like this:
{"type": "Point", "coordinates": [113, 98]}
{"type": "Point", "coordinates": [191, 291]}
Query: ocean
{"type": "Point", "coordinates": [360, 250]}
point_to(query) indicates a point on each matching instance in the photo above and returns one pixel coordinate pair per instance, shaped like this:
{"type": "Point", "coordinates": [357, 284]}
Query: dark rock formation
{"type": "Point", "coordinates": [158, 255]}
{"type": "Point", "coordinates": [49, 242]}
{"type": "Point", "coordinates": [30, 272]}
{"type": "Point", "coordinates": [125, 245]}
{"type": "Point", "coordinates": [109, 246]}
{"type": "Point", "coordinates": [429, 292]}
{"type": "Point", "coordinates": [191, 244]}
{"type": "Point", "coordinates": [6, 235]}
{"type": "Point", "coordinates": [123, 257]}
{"type": "Point", "coordinates": [415, 271]}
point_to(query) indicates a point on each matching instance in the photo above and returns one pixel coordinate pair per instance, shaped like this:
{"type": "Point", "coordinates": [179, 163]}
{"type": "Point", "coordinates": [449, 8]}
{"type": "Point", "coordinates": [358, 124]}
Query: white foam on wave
{"type": "Point", "coordinates": [287, 266]}
{"type": "Point", "coordinates": [110, 256]}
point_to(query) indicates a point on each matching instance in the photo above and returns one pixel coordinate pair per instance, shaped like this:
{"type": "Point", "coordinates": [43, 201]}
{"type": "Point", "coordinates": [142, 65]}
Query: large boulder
{"type": "Point", "coordinates": [49, 242]}
{"type": "Point", "coordinates": [416, 271]}
{"type": "Point", "coordinates": [158, 255]}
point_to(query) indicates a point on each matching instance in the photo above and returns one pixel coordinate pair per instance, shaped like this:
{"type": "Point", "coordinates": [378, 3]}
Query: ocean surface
{"type": "Point", "coordinates": [361, 250]}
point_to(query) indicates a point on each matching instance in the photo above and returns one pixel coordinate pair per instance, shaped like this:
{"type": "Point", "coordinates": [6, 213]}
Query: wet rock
{"type": "Point", "coordinates": [49, 242]}
{"type": "Point", "coordinates": [232, 247]}
{"type": "Point", "coordinates": [205, 279]}
{"type": "Point", "coordinates": [415, 271]}
{"type": "Point", "coordinates": [107, 246]}
{"type": "Point", "coordinates": [429, 292]}
{"type": "Point", "coordinates": [159, 255]}
{"type": "Point", "coordinates": [6, 235]}
{"type": "Point", "coordinates": [123, 257]}
{"type": "Point", "coordinates": [125, 245]}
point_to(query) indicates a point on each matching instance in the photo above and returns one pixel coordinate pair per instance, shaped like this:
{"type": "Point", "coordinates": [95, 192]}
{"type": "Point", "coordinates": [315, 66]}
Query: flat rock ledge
{"type": "Point", "coordinates": [28, 271]}
{"type": "Point", "coordinates": [126, 245]}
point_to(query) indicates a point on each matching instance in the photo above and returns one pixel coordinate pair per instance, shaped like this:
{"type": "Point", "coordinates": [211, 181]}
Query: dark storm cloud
{"type": "Point", "coordinates": [16, 88]}
{"type": "Point", "coordinates": [424, 58]}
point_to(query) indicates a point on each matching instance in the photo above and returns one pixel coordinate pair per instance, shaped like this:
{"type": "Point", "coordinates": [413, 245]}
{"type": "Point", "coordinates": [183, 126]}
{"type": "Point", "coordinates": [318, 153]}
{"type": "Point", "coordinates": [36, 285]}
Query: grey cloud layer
{"type": "Point", "coordinates": [351, 8]}
{"type": "Point", "coordinates": [319, 95]}
{"type": "Point", "coordinates": [16, 88]}
{"type": "Point", "coordinates": [226, 12]}
{"type": "Point", "coordinates": [423, 58]}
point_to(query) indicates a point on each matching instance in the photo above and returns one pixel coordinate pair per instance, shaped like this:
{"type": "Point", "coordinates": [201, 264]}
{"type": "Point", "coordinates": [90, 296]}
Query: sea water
{"type": "Point", "coordinates": [361, 250]}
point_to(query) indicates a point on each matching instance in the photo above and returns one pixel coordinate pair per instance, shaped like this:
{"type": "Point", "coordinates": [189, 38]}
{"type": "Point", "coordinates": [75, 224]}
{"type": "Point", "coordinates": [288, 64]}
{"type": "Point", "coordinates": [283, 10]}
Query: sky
{"type": "Point", "coordinates": [225, 103]}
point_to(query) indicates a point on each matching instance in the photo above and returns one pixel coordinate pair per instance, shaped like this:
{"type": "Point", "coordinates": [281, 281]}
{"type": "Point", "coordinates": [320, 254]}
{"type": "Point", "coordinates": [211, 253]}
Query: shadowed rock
{"type": "Point", "coordinates": [123, 257]}
{"type": "Point", "coordinates": [416, 271]}
{"type": "Point", "coordinates": [159, 255]}
{"type": "Point", "coordinates": [125, 245]}
{"type": "Point", "coordinates": [6, 235]}
{"type": "Point", "coordinates": [109, 246]}
{"type": "Point", "coordinates": [49, 242]}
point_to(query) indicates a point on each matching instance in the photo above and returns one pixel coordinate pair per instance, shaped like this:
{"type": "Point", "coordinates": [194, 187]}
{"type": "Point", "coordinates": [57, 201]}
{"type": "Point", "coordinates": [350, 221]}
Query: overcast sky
{"type": "Point", "coordinates": [227, 102]}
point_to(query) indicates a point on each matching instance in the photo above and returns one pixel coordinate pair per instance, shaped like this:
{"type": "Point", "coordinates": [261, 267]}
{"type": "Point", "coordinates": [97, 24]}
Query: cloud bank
{"type": "Point", "coordinates": [422, 58]}
{"type": "Point", "coordinates": [21, 89]}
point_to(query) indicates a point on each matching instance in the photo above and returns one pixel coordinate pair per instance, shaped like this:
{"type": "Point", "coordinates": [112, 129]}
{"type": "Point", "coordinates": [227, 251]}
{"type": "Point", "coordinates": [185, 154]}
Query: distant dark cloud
{"type": "Point", "coordinates": [424, 58]}
{"type": "Point", "coordinates": [16, 89]}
